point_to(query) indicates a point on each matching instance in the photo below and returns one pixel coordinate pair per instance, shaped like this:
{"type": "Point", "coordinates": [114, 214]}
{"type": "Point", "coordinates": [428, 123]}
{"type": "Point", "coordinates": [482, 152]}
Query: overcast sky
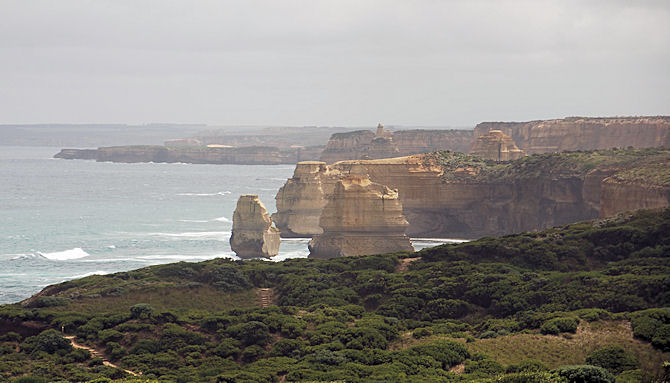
{"type": "Point", "coordinates": [339, 62]}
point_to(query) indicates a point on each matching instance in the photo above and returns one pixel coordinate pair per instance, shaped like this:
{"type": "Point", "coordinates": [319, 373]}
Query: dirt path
{"type": "Point", "coordinates": [265, 296]}
{"type": "Point", "coordinates": [97, 354]}
{"type": "Point", "coordinates": [404, 264]}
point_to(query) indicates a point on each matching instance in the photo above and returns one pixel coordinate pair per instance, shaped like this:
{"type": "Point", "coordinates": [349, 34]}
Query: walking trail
{"type": "Point", "coordinates": [95, 353]}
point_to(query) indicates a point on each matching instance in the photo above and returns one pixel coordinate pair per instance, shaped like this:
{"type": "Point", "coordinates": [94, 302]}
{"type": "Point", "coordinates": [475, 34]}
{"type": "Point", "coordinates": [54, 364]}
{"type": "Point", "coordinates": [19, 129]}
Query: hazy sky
{"type": "Point", "coordinates": [339, 62]}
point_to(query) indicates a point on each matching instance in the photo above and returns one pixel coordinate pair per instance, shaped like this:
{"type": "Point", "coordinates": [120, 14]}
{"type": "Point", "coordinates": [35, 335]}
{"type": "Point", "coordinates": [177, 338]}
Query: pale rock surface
{"type": "Point", "coordinates": [361, 217]}
{"type": "Point", "coordinates": [253, 235]}
{"type": "Point", "coordinates": [497, 146]}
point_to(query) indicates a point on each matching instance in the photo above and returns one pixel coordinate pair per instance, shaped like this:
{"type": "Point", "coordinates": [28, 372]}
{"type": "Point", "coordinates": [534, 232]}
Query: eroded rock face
{"type": "Point", "coordinates": [365, 144]}
{"type": "Point", "coordinates": [497, 146]}
{"type": "Point", "coordinates": [361, 217]}
{"type": "Point", "coordinates": [464, 204]}
{"type": "Point", "coordinates": [253, 235]}
{"type": "Point", "coordinates": [583, 133]}
{"type": "Point", "coordinates": [301, 200]}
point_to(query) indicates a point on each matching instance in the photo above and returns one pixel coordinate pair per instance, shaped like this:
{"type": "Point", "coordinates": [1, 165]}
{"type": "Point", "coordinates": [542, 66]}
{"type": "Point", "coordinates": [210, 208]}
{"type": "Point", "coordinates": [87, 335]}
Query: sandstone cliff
{"type": "Point", "coordinates": [452, 195]}
{"type": "Point", "coordinates": [253, 235]}
{"type": "Point", "coordinates": [361, 217]}
{"type": "Point", "coordinates": [581, 133]}
{"type": "Point", "coordinates": [365, 144]}
{"type": "Point", "coordinates": [497, 146]}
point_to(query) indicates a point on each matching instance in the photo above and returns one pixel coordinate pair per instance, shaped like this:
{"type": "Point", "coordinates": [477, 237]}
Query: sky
{"type": "Point", "coordinates": [331, 62]}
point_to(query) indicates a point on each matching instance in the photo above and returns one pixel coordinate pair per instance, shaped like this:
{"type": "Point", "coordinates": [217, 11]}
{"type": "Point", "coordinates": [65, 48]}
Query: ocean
{"type": "Point", "coordinates": [66, 219]}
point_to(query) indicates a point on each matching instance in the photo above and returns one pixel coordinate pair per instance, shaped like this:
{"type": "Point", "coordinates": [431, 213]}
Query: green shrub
{"type": "Point", "coordinates": [485, 366]}
{"type": "Point", "coordinates": [49, 341]}
{"type": "Point", "coordinates": [585, 374]}
{"type": "Point", "coordinates": [227, 348]}
{"type": "Point", "coordinates": [141, 311]}
{"type": "Point", "coordinates": [661, 338]}
{"type": "Point", "coordinates": [288, 347]}
{"type": "Point", "coordinates": [613, 358]}
{"type": "Point", "coordinates": [105, 336]}
{"type": "Point", "coordinates": [559, 325]}
{"type": "Point", "coordinates": [531, 377]}
{"type": "Point", "coordinates": [527, 365]}
{"type": "Point", "coordinates": [252, 353]}
{"type": "Point", "coordinates": [30, 379]}
{"type": "Point", "coordinates": [250, 333]}
{"type": "Point", "coordinates": [422, 332]}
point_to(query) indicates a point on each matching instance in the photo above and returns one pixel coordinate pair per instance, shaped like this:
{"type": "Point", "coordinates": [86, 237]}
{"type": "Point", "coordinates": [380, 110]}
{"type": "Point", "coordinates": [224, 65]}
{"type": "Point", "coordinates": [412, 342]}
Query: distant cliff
{"type": "Point", "coordinates": [583, 133]}
{"type": "Point", "coordinates": [365, 144]}
{"type": "Point", "coordinates": [455, 195]}
{"type": "Point", "coordinates": [250, 155]}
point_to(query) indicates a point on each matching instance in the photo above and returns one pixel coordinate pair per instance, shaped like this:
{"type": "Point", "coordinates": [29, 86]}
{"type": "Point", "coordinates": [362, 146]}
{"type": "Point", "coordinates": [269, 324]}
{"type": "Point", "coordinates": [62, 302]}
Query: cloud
{"type": "Point", "coordinates": [331, 62]}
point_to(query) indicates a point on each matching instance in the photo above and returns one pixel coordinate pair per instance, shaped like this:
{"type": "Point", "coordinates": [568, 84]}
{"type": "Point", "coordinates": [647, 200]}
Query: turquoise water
{"type": "Point", "coordinates": [64, 219]}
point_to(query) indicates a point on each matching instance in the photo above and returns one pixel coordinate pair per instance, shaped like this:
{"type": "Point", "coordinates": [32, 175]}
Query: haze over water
{"type": "Point", "coordinates": [63, 219]}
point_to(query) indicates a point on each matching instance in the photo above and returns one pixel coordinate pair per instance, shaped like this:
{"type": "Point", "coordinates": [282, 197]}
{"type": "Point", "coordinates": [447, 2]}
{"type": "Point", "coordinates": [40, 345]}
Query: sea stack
{"type": "Point", "coordinates": [361, 217]}
{"type": "Point", "coordinates": [301, 200]}
{"type": "Point", "coordinates": [497, 146]}
{"type": "Point", "coordinates": [253, 235]}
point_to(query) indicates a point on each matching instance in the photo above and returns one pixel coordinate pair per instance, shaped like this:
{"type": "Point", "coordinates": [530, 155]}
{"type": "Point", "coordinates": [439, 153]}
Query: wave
{"type": "Point", "coordinates": [66, 255]}
{"type": "Point", "coordinates": [193, 220]}
{"type": "Point", "coordinates": [221, 219]}
{"type": "Point", "coordinates": [440, 240]}
{"type": "Point", "coordinates": [205, 194]}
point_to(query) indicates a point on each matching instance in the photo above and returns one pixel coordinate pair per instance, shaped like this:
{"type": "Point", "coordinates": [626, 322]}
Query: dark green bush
{"type": "Point", "coordinates": [227, 348]}
{"type": "Point", "coordinates": [559, 325]}
{"type": "Point", "coordinates": [252, 353]}
{"type": "Point", "coordinates": [613, 358]}
{"type": "Point", "coordinates": [250, 333]}
{"type": "Point", "coordinates": [49, 341]}
{"type": "Point", "coordinates": [141, 311]}
{"type": "Point", "coordinates": [585, 374]}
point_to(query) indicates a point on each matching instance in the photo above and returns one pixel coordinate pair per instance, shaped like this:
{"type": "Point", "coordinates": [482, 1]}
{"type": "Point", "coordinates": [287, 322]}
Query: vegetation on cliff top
{"type": "Point", "coordinates": [649, 166]}
{"type": "Point", "coordinates": [510, 309]}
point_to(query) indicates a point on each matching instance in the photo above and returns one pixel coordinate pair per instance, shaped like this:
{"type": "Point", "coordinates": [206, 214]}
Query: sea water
{"type": "Point", "coordinates": [66, 219]}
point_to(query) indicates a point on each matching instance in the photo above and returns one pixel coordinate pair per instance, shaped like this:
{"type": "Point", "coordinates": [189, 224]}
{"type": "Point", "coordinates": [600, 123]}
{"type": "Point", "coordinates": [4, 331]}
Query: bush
{"type": "Point", "coordinates": [141, 311]}
{"type": "Point", "coordinates": [288, 347]}
{"type": "Point", "coordinates": [30, 379]}
{"type": "Point", "coordinates": [250, 333]}
{"type": "Point", "coordinates": [558, 325]}
{"type": "Point", "coordinates": [227, 348]}
{"type": "Point", "coordinates": [613, 358]}
{"type": "Point", "coordinates": [48, 341]}
{"type": "Point", "coordinates": [527, 365]}
{"type": "Point", "coordinates": [661, 338]}
{"type": "Point", "coordinates": [485, 366]}
{"type": "Point", "coordinates": [422, 332]}
{"type": "Point", "coordinates": [585, 374]}
{"type": "Point", "coordinates": [252, 353]}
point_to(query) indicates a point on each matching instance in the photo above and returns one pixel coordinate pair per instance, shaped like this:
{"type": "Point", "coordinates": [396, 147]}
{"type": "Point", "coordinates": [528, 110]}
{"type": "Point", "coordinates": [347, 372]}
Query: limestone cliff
{"type": "Point", "coordinates": [253, 235]}
{"type": "Point", "coordinates": [582, 133]}
{"type": "Point", "coordinates": [458, 196]}
{"type": "Point", "coordinates": [361, 217]}
{"type": "Point", "coordinates": [365, 144]}
{"type": "Point", "coordinates": [497, 146]}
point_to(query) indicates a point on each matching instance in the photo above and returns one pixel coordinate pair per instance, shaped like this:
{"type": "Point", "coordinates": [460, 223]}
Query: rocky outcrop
{"type": "Point", "coordinates": [451, 195]}
{"type": "Point", "coordinates": [497, 146]}
{"type": "Point", "coordinates": [361, 217]}
{"type": "Point", "coordinates": [301, 200]}
{"type": "Point", "coordinates": [248, 155]}
{"type": "Point", "coordinates": [582, 133]}
{"type": "Point", "coordinates": [253, 235]}
{"type": "Point", "coordinates": [365, 144]}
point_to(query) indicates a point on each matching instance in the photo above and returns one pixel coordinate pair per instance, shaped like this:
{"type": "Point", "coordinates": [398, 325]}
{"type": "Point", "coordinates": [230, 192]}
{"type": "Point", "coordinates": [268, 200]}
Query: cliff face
{"type": "Point", "coordinates": [249, 155]}
{"type": "Point", "coordinates": [497, 146]}
{"type": "Point", "coordinates": [361, 217]}
{"type": "Point", "coordinates": [365, 144]}
{"type": "Point", "coordinates": [576, 133]}
{"type": "Point", "coordinates": [456, 196]}
{"type": "Point", "coordinates": [253, 235]}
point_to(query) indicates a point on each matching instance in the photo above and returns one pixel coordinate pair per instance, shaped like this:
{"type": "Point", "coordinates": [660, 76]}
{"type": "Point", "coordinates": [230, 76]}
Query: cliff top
{"type": "Point", "coordinates": [650, 166]}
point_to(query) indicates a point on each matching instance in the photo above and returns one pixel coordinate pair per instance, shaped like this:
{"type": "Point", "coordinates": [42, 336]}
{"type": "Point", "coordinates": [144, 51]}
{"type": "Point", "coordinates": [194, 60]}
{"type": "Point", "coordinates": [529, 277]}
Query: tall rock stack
{"type": "Point", "coordinates": [253, 235]}
{"type": "Point", "coordinates": [497, 146]}
{"type": "Point", "coordinates": [361, 217]}
{"type": "Point", "coordinates": [300, 201]}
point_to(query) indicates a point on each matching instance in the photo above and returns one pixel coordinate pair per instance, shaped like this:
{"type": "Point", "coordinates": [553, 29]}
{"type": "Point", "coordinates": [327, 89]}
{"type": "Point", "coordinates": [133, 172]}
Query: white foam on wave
{"type": "Point", "coordinates": [66, 255]}
{"type": "Point", "coordinates": [226, 192]}
{"type": "Point", "coordinates": [20, 256]}
{"type": "Point", "coordinates": [179, 257]}
{"type": "Point", "coordinates": [440, 240]}
{"type": "Point", "coordinates": [222, 219]}
{"type": "Point", "coordinates": [193, 220]}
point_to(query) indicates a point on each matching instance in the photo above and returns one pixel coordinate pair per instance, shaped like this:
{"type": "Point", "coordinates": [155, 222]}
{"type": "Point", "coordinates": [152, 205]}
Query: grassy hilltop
{"type": "Point", "coordinates": [513, 309]}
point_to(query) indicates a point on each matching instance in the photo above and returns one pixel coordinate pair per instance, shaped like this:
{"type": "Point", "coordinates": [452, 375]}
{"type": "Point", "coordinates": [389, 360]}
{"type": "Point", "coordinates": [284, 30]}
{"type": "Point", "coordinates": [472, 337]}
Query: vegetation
{"type": "Point", "coordinates": [586, 302]}
{"type": "Point", "coordinates": [651, 166]}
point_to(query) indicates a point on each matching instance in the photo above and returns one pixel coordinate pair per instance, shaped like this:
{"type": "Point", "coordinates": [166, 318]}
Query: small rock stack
{"type": "Point", "coordinates": [253, 235]}
{"type": "Point", "coordinates": [497, 146]}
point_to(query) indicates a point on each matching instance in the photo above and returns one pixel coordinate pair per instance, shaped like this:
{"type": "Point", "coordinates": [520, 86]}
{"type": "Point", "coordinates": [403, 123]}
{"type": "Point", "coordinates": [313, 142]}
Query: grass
{"type": "Point", "coordinates": [176, 300]}
{"type": "Point", "coordinates": [555, 351]}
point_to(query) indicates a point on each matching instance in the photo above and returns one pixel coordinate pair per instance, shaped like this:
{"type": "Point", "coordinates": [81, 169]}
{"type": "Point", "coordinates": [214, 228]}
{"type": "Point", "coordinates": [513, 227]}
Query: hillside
{"type": "Point", "coordinates": [513, 308]}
